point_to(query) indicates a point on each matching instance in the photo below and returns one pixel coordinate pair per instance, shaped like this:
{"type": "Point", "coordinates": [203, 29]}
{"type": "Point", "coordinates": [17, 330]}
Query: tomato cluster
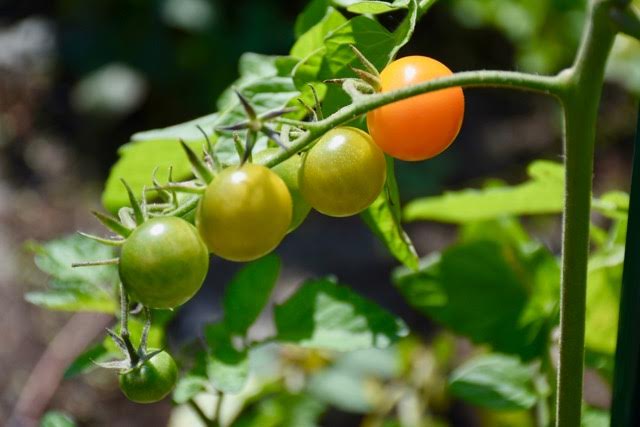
{"type": "Point", "coordinates": [246, 210]}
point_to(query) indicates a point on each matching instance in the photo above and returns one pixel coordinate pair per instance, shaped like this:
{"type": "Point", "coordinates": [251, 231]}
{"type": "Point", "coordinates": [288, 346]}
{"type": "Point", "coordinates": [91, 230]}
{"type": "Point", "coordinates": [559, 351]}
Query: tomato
{"type": "Point", "coordinates": [151, 380]}
{"type": "Point", "coordinates": [289, 172]}
{"type": "Point", "coordinates": [420, 127]}
{"type": "Point", "coordinates": [244, 213]}
{"type": "Point", "coordinates": [343, 173]}
{"type": "Point", "coordinates": [164, 262]}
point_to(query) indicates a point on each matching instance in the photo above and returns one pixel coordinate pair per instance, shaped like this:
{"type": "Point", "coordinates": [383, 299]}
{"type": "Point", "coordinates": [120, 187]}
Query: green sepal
{"type": "Point", "coordinates": [112, 224]}
{"type": "Point", "coordinates": [200, 169]}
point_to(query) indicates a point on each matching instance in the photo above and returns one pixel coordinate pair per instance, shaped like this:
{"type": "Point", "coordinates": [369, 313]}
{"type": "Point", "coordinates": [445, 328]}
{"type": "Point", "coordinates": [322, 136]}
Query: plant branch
{"type": "Point", "coordinates": [580, 103]}
{"type": "Point", "coordinates": [550, 85]}
{"type": "Point", "coordinates": [627, 21]}
{"type": "Point", "coordinates": [201, 415]}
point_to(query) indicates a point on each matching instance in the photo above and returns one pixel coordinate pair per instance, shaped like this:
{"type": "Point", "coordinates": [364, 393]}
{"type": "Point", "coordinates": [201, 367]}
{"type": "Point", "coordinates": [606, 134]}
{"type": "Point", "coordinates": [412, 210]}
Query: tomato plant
{"type": "Point", "coordinates": [245, 212]}
{"type": "Point", "coordinates": [151, 380]}
{"type": "Point", "coordinates": [163, 263]}
{"type": "Point", "coordinates": [280, 144]}
{"type": "Point", "coordinates": [343, 173]}
{"type": "Point", "coordinates": [421, 127]}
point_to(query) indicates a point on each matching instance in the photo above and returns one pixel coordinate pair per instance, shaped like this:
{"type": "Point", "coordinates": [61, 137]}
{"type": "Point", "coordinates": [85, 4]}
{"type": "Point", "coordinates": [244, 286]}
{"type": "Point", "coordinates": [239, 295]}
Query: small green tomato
{"type": "Point", "coordinates": [163, 263]}
{"type": "Point", "coordinates": [151, 380]}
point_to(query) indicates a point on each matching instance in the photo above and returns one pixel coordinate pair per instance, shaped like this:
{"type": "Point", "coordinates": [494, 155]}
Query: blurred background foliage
{"type": "Point", "coordinates": [78, 78]}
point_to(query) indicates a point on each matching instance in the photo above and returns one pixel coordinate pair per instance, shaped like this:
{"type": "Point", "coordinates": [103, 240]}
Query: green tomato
{"type": "Point", "coordinates": [343, 173]}
{"type": "Point", "coordinates": [244, 213]}
{"type": "Point", "coordinates": [164, 262]}
{"type": "Point", "coordinates": [151, 380]}
{"type": "Point", "coordinates": [289, 172]}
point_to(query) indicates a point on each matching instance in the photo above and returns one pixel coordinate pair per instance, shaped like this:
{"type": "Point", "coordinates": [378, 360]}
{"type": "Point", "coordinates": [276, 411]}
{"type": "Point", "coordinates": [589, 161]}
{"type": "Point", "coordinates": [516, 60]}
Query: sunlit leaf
{"type": "Point", "coordinates": [496, 382]}
{"type": "Point", "coordinates": [322, 314]}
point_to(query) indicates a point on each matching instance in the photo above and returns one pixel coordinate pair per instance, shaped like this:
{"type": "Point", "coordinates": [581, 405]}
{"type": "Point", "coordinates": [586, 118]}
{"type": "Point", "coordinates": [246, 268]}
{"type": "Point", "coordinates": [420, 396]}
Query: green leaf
{"type": "Point", "coordinates": [383, 218]}
{"type": "Point", "coordinates": [248, 293]}
{"type": "Point", "coordinates": [614, 204]}
{"type": "Point", "coordinates": [86, 362]}
{"type": "Point", "coordinates": [491, 291]}
{"type": "Point", "coordinates": [57, 419]}
{"type": "Point", "coordinates": [227, 367]}
{"type": "Point", "coordinates": [371, 38]}
{"type": "Point", "coordinates": [282, 410]}
{"type": "Point", "coordinates": [322, 314]}
{"type": "Point", "coordinates": [264, 80]}
{"type": "Point", "coordinates": [138, 160]}
{"type": "Point", "coordinates": [310, 16]}
{"type": "Point", "coordinates": [187, 131]}
{"type": "Point", "coordinates": [302, 410]}
{"type": "Point", "coordinates": [345, 392]}
{"type": "Point", "coordinates": [495, 382]}
{"type": "Point", "coordinates": [75, 289]}
{"type": "Point", "coordinates": [542, 194]}
{"type": "Point", "coordinates": [56, 256]}
{"type": "Point", "coordinates": [72, 300]}
{"type": "Point", "coordinates": [377, 7]}
{"type": "Point", "coordinates": [335, 58]}
{"type": "Point", "coordinates": [593, 417]}
{"type": "Point", "coordinates": [404, 31]}
{"type": "Point", "coordinates": [347, 383]}
{"type": "Point", "coordinates": [188, 387]}
{"type": "Point", "coordinates": [603, 299]}
{"type": "Point", "coordinates": [313, 39]}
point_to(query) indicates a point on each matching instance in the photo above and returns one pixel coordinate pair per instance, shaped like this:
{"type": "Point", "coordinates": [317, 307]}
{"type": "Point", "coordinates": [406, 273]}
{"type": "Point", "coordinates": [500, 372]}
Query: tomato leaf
{"type": "Point", "coordinates": [227, 367]}
{"type": "Point", "coordinates": [138, 160]}
{"type": "Point", "coordinates": [346, 383]}
{"type": "Point", "coordinates": [493, 292]}
{"type": "Point", "coordinates": [495, 381]}
{"type": "Point", "coordinates": [248, 292]}
{"type": "Point", "coordinates": [383, 218]}
{"type": "Point", "coordinates": [404, 31]}
{"type": "Point", "coordinates": [310, 16]}
{"type": "Point", "coordinates": [542, 194]}
{"type": "Point", "coordinates": [335, 58]}
{"type": "Point", "coordinates": [323, 314]}
{"type": "Point", "coordinates": [313, 38]}
{"type": "Point", "coordinates": [376, 7]}
{"type": "Point", "coordinates": [282, 410]}
{"type": "Point", "coordinates": [592, 417]}
{"type": "Point", "coordinates": [264, 80]}
{"type": "Point", "coordinates": [603, 299]}
{"type": "Point", "coordinates": [188, 387]}
{"type": "Point", "coordinates": [75, 289]}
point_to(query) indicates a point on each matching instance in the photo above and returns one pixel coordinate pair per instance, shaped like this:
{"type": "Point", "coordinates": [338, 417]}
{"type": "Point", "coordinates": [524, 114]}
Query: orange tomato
{"type": "Point", "coordinates": [422, 126]}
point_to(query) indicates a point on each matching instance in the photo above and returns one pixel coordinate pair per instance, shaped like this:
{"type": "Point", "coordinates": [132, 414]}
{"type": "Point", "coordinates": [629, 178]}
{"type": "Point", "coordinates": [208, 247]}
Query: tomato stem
{"type": "Point", "coordinates": [201, 415]}
{"type": "Point", "coordinates": [551, 85]}
{"type": "Point", "coordinates": [124, 327]}
{"type": "Point", "coordinates": [580, 103]}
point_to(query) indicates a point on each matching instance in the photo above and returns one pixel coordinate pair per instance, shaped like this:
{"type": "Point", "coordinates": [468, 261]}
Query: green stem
{"type": "Point", "coordinates": [124, 327]}
{"type": "Point", "coordinates": [580, 102]}
{"type": "Point", "coordinates": [201, 415]}
{"type": "Point", "coordinates": [551, 85]}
